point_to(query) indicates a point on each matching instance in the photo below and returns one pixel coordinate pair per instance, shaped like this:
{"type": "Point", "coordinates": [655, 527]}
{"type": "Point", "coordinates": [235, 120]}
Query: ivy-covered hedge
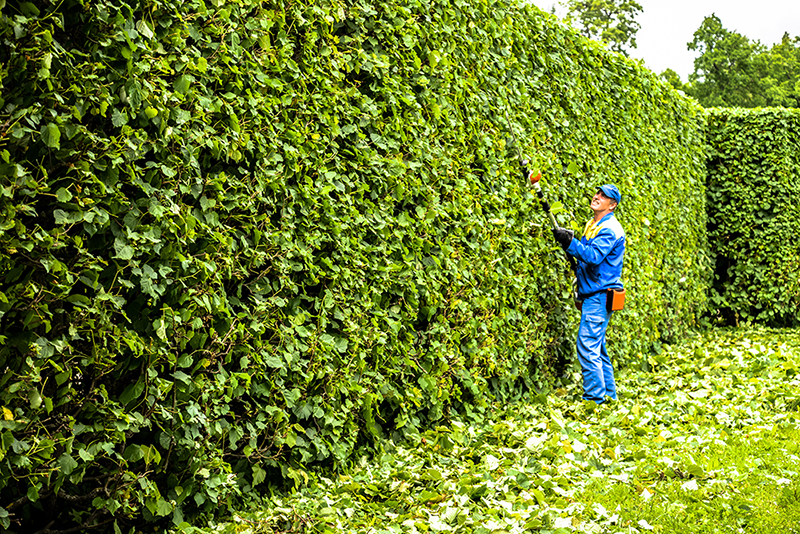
{"type": "Point", "coordinates": [753, 191]}
{"type": "Point", "coordinates": [241, 238]}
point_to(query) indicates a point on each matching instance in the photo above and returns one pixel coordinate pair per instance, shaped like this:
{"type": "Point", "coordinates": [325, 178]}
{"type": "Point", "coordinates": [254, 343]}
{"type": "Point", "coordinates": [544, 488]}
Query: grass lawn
{"type": "Point", "coordinates": [706, 440]}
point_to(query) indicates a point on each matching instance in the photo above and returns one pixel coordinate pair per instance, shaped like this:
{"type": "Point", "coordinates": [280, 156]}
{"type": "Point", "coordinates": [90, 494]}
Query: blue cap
{"type": "Point", "coordinates": [612, 192]}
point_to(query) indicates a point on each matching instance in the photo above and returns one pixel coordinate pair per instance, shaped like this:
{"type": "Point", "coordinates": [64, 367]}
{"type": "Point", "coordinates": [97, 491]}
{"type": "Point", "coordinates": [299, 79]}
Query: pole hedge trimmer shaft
{"type": "Point", "coordinates": [533, 181]}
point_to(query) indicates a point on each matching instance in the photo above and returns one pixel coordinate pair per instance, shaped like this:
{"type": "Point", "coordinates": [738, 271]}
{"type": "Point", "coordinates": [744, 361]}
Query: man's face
{"type": "Point", "coordinates": [600, 202]}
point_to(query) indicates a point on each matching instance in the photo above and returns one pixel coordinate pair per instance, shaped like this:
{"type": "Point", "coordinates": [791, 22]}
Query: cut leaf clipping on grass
{"type": "Point", "coordinates": [661, 459]}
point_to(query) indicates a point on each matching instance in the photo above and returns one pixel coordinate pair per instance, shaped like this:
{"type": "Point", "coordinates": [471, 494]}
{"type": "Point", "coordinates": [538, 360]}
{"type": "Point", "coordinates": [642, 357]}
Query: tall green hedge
{"type": "Point", "coordinates": [753, 192]}
{"type": "Point", "coordinates": [242, 238]}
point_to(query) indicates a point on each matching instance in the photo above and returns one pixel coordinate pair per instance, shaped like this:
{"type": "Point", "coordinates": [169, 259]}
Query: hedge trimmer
{"type": "Point", "coordinates": [533, 181]}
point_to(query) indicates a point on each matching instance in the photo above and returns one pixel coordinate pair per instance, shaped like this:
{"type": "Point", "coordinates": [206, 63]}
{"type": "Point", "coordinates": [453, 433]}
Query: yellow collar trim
{"type": "Point", "coordinates": [592, 229]}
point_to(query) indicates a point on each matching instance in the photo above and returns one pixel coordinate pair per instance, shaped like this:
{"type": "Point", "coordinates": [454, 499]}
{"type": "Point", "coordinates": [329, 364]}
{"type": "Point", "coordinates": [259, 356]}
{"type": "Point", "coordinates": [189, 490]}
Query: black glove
{"type": "Point", "coordinates": [563, 237]}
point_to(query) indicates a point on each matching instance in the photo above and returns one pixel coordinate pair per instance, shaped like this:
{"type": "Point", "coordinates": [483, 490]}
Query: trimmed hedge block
{"type": "Point", "coordinates": [753, 187]}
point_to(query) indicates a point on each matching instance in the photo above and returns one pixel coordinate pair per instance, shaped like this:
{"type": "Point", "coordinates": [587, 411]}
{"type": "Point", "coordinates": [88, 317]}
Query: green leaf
{"type": "Point", "coordinates": [51, 135]}
{"type": "Point", "coordinates": [63, 195]}
{"type": "Point", "coordinates": [144, 29]}
{"type": "Point", "coordinates": [123, 250]}
{"type": "Point", "coordinates": [426, 496]}
{"type": "Point", "coordinates": [163, 507]}
{"type": "Point", "coordinates": [183, 83]}
{"type": "Point", "coordinates": [67, 464]}
{"type": "Point", "coordinates": [35, 398]}
{"type": "Point", "coordinates": [61, 217]}
{"type": "Point", "coordinates": [161, 331]}
{"type": "Point", "coordinates": [119, 118]}
{"type": "Point", "coordinates": [259, 475]}
{"type": "Point", "coordinates": [133, 453]}
{"type": "Point", "coordinates": [341, 344]}
{"type": "Point", "coordinates": [183, 377]}
{"type": "Point", "coordinates": [132, 391]}
{"type": "Point", "coordinates": [79, 300]}
{"type": "Point", "coordinates": [5, 520]}
{"type": "Point", "coordinates": [696, 471]}
{"type": "Point", "coordinates": [151, 455]}
{"type": "Point", "coordinates": [29, 9]}
{"type": "Point", "coordinates": [432, 474]}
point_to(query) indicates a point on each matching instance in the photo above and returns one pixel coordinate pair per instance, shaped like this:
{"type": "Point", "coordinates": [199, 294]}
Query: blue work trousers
{"type": "Point", "coordinates": [598, 374]}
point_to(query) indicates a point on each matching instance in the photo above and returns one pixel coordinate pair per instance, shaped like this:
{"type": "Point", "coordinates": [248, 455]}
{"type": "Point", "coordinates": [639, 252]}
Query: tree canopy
{"type": "Point", "coordinates": [611, 21]}
{"type": "Point", "coordinates": [782, 80]}
{"type": "Point", "coordinates": [733, 71]}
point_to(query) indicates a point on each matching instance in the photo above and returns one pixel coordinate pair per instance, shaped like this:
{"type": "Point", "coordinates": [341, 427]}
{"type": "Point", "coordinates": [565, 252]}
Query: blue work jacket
{"type": "Point", "coordinates": [599, 253]}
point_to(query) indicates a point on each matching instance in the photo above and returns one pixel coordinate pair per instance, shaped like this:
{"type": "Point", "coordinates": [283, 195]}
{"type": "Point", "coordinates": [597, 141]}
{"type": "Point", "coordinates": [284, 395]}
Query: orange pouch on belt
{"type": "Point", "coordinates": [615, 299]}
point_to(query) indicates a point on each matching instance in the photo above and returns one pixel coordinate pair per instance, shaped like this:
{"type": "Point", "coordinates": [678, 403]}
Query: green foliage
{"type": "Point", "coordinates": [674, 79]}
{"type": "Point", "coordinates": [610, 21]}
{"type": "Point", "coordinates": [781, 82]}
{"type": "Point", "coordinates": [753, 166]}
{"type": "Point", "coordinates": [241, 238]}
{"type": "Point", "coordinates": [725, 72]}
{"type": "Point", "coordinates": [732, 71]}
{"type": "Point", "coordinates": [705, 439]}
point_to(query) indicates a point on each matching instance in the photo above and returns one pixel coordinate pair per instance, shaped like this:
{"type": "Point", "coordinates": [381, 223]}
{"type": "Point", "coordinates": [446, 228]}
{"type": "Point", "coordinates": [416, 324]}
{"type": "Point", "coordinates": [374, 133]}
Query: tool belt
{"type": "Point", "coordinates": [615, 299]}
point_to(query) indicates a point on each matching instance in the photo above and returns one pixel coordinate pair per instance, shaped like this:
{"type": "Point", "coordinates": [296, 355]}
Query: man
{"type": "Point", "coordinates": [599, 255]}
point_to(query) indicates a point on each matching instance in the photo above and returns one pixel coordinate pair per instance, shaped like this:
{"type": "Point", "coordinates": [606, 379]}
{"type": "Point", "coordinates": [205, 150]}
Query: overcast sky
{"type": "Point", "coordinates": [668, 25]}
